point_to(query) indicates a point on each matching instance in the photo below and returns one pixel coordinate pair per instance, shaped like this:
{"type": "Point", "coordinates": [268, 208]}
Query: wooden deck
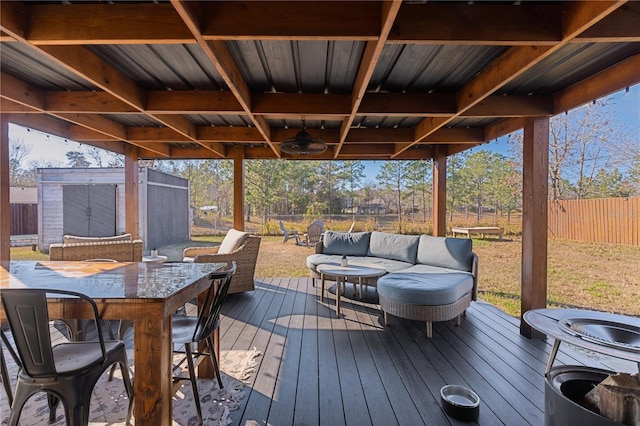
{"type": "Point", "coordinates": [317, 369]}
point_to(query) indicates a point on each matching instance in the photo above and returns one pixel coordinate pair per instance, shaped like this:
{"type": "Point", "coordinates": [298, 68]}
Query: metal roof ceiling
{"type": "Point", "coordinates": [396, 75]}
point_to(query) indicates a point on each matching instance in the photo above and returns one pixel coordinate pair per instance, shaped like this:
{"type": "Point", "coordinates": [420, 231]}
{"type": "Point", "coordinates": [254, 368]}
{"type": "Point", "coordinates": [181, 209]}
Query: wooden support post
{"type": "Point", "coordinates": [440, 192]}
{"type": "Point", "coordinates": [5, 210]}
{"type": "Point", "coordinates": [535, 172]}
{"type": "Point", "coordinates": [131, 195]}
{"type": "Point", "coordinates": [237, 154]}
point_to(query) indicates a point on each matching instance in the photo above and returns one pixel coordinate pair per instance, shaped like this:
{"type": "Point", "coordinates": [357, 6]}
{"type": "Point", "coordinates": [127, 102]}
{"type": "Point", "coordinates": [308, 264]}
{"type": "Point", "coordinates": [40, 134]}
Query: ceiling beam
{"type": "Point", "coordinates": [461, 23]}
{"type": "Point", "coordinates": [578, 17]}
{"type": "Point", "coordinates": [615, 78]}
{"type": "Point", "coordinates": [277, 20]}
{"type": "Point", "coordinates": [106, 24]}
{"type": "Point", "coordinates": [87, 65]}
{"type": "Point", "coordinates": [370, 58]}
{"type": "Point", "coordinates": [477, 24]}
{"type": "Point", "coordinates": [219, 55]}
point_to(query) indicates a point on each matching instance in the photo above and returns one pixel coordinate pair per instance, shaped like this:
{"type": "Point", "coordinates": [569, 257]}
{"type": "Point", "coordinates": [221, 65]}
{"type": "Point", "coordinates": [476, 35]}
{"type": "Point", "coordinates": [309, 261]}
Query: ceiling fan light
{"type": "Point", "coordinates": [303, 144]}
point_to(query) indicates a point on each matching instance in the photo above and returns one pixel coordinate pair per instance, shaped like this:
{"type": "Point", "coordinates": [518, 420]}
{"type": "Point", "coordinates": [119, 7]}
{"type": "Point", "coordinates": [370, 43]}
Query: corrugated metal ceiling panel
{"type": "Point", "coordinates": [567, 66]}
{"type": "Point", "coordinates": [133, 120]}
{"type": "Point", "coordinates": [23, 63]}
{"type": "Point", "coordinates": [163, 67]}
{"type": "Point", "coordinates": [217, 120]}
{"type": "Point", "coordinates": [429, 68]}
{"type": "Point", "coordinates": [298, 66]}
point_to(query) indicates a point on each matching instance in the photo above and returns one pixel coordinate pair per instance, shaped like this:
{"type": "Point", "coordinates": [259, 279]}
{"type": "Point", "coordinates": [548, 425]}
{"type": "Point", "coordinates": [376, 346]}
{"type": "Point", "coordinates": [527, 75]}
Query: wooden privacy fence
{"type": "Point", "coordinates": [24, 219]}
{"type": "Point", "coordinates": [600, 220]}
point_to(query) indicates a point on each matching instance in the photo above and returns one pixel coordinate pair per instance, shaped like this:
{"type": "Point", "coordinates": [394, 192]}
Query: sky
{"type": "Point", "coordinates": [44, 147]}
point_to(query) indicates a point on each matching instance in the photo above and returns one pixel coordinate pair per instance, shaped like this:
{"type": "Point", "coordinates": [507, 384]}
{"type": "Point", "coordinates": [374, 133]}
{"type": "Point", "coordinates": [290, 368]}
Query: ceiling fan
{"type": "Point", "coordinates": [303, 144]}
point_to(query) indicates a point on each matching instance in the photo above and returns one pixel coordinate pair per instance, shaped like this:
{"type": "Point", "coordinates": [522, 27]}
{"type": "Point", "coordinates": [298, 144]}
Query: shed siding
{"type": "Point", "coordinates": [164, 210]}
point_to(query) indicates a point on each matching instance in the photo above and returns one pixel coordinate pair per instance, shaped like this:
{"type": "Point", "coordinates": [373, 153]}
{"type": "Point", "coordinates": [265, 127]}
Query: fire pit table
{"type": "Point", "coordinates": [610, 334]}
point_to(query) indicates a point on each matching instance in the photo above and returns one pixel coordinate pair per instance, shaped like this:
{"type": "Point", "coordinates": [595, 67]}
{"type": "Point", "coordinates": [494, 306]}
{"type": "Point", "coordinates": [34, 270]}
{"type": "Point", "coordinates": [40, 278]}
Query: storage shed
{"type": "Point", "coordinates": [91, 202]}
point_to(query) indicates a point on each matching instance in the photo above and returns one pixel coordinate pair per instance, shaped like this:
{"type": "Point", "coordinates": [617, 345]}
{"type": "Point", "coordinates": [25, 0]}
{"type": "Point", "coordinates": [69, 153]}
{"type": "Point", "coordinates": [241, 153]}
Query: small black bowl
{"type": "Point", "coordinates": [460, 402]}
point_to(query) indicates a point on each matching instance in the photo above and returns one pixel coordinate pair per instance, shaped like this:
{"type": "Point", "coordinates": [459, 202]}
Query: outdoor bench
{"type": "Point", "coordinates": [478, 230]}
{"type": "Point", "coordinates": [428, 278]}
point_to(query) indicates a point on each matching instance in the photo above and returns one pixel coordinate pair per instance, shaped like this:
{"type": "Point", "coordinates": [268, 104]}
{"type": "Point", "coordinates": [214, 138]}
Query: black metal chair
{"type": "Point", "coordinates": [4, 371]}
{"type": "Point", "coordinates": [187, 330]}
{"type": "Point", "coordinates": [68, 371]}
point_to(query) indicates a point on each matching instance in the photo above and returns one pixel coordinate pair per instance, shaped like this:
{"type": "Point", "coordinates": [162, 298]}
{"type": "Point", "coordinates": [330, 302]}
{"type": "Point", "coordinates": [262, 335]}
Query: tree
{"type": "Point", "coordinates": [393, 176]}
{"type": "Point", "coordinates": [355, 173]}
{"type": "Point", "coordinates": [77, 159]}
{"type": "Point", "coordinates": [263, 178]}
{"type": "Point", "coordinates": [18, 150]}
{"type": "Point", "coordinates": [419, 175]}
{"type": "Point", "coordinates": [581, 142]}
{"type": "Point", "coordinates": [482, 171]}
{"type": "Point", "coordinates": [457, 189]}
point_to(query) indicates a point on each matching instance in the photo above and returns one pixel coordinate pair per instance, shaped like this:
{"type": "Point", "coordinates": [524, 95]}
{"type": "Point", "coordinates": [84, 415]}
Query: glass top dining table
{"type": "Point", "coordinates": [147, 293]}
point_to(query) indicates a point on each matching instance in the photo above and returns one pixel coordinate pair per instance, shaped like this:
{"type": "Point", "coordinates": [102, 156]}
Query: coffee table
{"type": "Point", "coordinates": [342, 273]}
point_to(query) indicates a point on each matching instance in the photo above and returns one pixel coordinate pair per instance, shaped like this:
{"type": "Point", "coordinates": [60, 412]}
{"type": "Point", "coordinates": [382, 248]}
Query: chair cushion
{"type": "Point", "coordinates": [394, 246]}
{"type": "Point", "coordinates": [453, 253]}
{"type": "Point", "coordinates": [74, 239]}
{"type": "Point", "coordinates": [232, 241]}
{"type": "Point", "coordinates": [432, 288]}
{"type": "Point", "coordinates": [351, 244]}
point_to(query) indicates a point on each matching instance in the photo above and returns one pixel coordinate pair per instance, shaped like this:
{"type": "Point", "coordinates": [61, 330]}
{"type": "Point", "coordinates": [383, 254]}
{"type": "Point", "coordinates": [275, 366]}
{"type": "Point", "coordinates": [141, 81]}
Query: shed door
{"type": "Point", "coordinates": [89, 210]}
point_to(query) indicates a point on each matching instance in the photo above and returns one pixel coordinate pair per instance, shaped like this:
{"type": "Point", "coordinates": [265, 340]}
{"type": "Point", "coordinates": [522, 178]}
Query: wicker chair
{"type": "Point", "coordinates": [245, 256]}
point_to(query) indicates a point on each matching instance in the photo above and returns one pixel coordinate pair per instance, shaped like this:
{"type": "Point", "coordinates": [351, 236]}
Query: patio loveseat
{"type": "Point", "coordinates": [428, 278]}
{"type": "Point", "coordinates": [121, 248]}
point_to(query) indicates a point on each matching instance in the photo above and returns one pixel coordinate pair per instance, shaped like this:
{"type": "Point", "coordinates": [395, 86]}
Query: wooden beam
{"type": "Point", "coordinates": [318, 20]}
{"type": "Point", "coordinates": [619, 26]}
{"type": "Point", "coordinates": [219, 55]}
{"type": "Point", "coordinates": [477, 24]}
{"type": "Point", "coordinates": [301, 105]}
{"type": "Point", "coordinates": [578, 17]}
{"type": "Point", "coordinates": [370, 58]}
{"type": "Point", "coordinates": [41, 123]}
{"type": "Point", "coordinates": [535, 174]}
{"type": "Point", "coordinates": [23, 93]}
{"type": "Point", "coordinates": [86, 102]}
{"type": "Point", "coordinates": [615, 78]}
{"type": "Point", "coordinates": [132, 193]}
{"type": "Point", "coordinates": [5, 208]}
{"type": "Point", "coordinates": [106, 24]}
{"type": "Point", "coordinates": [440, 191]}
{"type": "Point", "coordinates": [192, 102]}
{"type": "Point", "coordinates": [237, 153]}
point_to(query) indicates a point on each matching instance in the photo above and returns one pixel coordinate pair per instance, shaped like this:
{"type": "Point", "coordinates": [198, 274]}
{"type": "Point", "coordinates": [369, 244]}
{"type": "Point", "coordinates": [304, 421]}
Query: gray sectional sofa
{"type": "Point", "coordinates": [428, 278]}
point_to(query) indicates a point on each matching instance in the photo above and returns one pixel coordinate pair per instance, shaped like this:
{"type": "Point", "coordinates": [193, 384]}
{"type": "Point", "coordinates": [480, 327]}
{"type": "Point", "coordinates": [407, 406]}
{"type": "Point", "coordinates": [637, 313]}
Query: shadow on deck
{"type": "Point", "coordinates": [319, 369]}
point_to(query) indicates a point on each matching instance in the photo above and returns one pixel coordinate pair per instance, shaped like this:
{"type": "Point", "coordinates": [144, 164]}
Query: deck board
{"type": "Point", "coordinates": [319, 369]}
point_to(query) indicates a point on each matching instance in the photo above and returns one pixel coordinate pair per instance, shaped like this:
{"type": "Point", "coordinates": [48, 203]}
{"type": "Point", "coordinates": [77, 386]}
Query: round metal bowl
{"type": "Point", "coordinates": [460, 402]}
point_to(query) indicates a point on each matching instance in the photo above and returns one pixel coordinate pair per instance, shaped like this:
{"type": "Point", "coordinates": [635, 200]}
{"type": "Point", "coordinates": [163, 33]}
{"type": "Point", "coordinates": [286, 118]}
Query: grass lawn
{"type": "Point", "coordinates": [593, 276]}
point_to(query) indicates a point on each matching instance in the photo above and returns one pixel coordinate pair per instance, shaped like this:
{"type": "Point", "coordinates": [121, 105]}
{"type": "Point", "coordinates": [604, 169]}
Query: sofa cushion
{"type": "Point", "coordinates": [232, 241]}
{"type": "Point", "coordinates": [74, 239]}
{"type": "Point", "coordinates": [433, 288]}
{"type": "Point", "coordinates": [314, 260]}
{"type": "Point", "coordinates": [453, 253]}
{"type": "Point", "coordinates": [394, 246]}
{"type": "Point", "coordinates": [351, 244]}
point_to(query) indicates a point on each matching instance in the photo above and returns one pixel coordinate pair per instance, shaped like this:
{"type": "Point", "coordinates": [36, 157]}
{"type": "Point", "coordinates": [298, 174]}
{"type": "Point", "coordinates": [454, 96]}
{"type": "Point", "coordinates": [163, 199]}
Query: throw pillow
{"type": "Point", "coordinates": [232, 241]}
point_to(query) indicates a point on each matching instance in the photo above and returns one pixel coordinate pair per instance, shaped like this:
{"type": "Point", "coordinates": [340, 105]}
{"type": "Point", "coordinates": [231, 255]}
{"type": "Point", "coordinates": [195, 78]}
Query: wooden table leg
{"type": "Point", "coordinates": [153, 371]}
